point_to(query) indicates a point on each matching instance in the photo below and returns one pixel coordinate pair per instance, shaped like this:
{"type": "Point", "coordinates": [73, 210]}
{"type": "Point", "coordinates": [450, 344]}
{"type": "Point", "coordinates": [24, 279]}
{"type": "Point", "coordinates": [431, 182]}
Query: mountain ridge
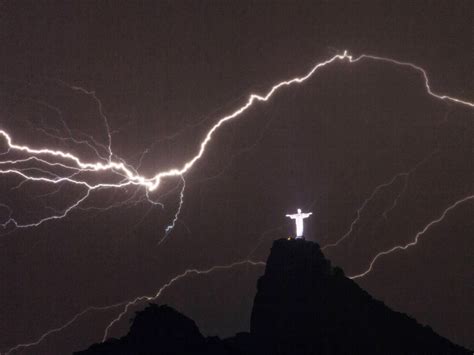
{"type": "Point", "coordinates": [303, 305]}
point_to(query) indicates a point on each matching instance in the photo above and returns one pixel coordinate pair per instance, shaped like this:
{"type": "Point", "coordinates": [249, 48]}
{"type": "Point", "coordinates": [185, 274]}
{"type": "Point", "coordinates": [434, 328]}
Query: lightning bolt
{"type": "Point", "coordinates": [58, 167]}
{"type": "Point", "coordinates": [417, 236]}
{"type": "Point", "coordinates": [129, 176]}
{"type": "Point", "coordinates": [128, 304]}
{"type": "Point", "coordinates": [172, 281]}
{"type": "Point", "coordinates": [360, 209]}
{"type": "Point", "coordinates": [170, 227]}
{"type": "Point", "coordinates": [101, 113]}
{"type": "Point", "coordinates": [405, 175]}
{"type": "Point", "coordinates": [61, 328]}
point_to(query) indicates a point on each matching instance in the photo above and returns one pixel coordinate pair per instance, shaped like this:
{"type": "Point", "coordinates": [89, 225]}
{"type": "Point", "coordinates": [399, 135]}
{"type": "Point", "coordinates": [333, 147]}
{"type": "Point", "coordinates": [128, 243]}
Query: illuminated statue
{"type": "Point", "coordinates": [298, 217]}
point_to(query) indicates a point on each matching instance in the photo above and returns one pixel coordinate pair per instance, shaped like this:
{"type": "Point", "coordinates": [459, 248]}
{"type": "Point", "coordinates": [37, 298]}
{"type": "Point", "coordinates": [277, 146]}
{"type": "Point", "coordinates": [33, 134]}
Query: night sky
{"type": "Point", "coordinates": [164, 73]}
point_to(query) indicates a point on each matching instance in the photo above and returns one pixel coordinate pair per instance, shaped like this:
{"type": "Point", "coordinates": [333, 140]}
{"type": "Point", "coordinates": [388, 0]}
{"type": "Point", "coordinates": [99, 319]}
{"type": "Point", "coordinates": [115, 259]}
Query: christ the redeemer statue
{"type": "Point", "coordinates": [298, 217]}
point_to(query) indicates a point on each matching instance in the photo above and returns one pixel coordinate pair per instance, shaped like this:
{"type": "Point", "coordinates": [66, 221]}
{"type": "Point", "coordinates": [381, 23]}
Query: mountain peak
{"type": "Point", "coordinates": [303, 306]}
{"type": "Point", "coordinates": [305, 302]}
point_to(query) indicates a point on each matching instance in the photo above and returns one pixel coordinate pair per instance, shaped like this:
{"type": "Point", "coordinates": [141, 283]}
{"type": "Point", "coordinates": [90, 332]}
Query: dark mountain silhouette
{"type": "Point", "coordinates": [303, 306]}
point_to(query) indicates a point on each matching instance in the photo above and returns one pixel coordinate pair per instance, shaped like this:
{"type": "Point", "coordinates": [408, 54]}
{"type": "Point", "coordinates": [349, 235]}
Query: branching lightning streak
{"type": "Point", "coordinates": [360, 209]}
{"type": "Point", "coordinates": [129, 176]}
{"type": "Point", "coordinates": [417, 236]}
{"type": "Point", "coordinates": [128, 304]}
{"type": "Point", "coordinates": [62, 327]}
{"type": "Point", "coordinates": [49, 218]}
{"type": "Point", "coordinates": [405, 175]}
{"type": "Point", "coordinates": [419, 69]}
{"type": "Point", "coordinates": [172, 281]}
{"type": "Point", "coordinates": [102, 115]}
{"type": "Point", "coordinates": [170, 227]}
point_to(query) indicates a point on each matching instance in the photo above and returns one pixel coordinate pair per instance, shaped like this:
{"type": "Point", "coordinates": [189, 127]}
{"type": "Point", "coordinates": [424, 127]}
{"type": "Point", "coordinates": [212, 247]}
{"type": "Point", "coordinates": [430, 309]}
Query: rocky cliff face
{"type": "Point", "coordinates": [303, 306]}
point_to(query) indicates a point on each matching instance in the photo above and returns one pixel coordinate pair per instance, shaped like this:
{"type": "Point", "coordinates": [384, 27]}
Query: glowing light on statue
{"type": "Point", "coordinates": [299, 217]}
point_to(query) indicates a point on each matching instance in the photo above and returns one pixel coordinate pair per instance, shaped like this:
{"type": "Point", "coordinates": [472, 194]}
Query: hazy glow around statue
{"type": "Point", "coordinates": [298, 217]}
